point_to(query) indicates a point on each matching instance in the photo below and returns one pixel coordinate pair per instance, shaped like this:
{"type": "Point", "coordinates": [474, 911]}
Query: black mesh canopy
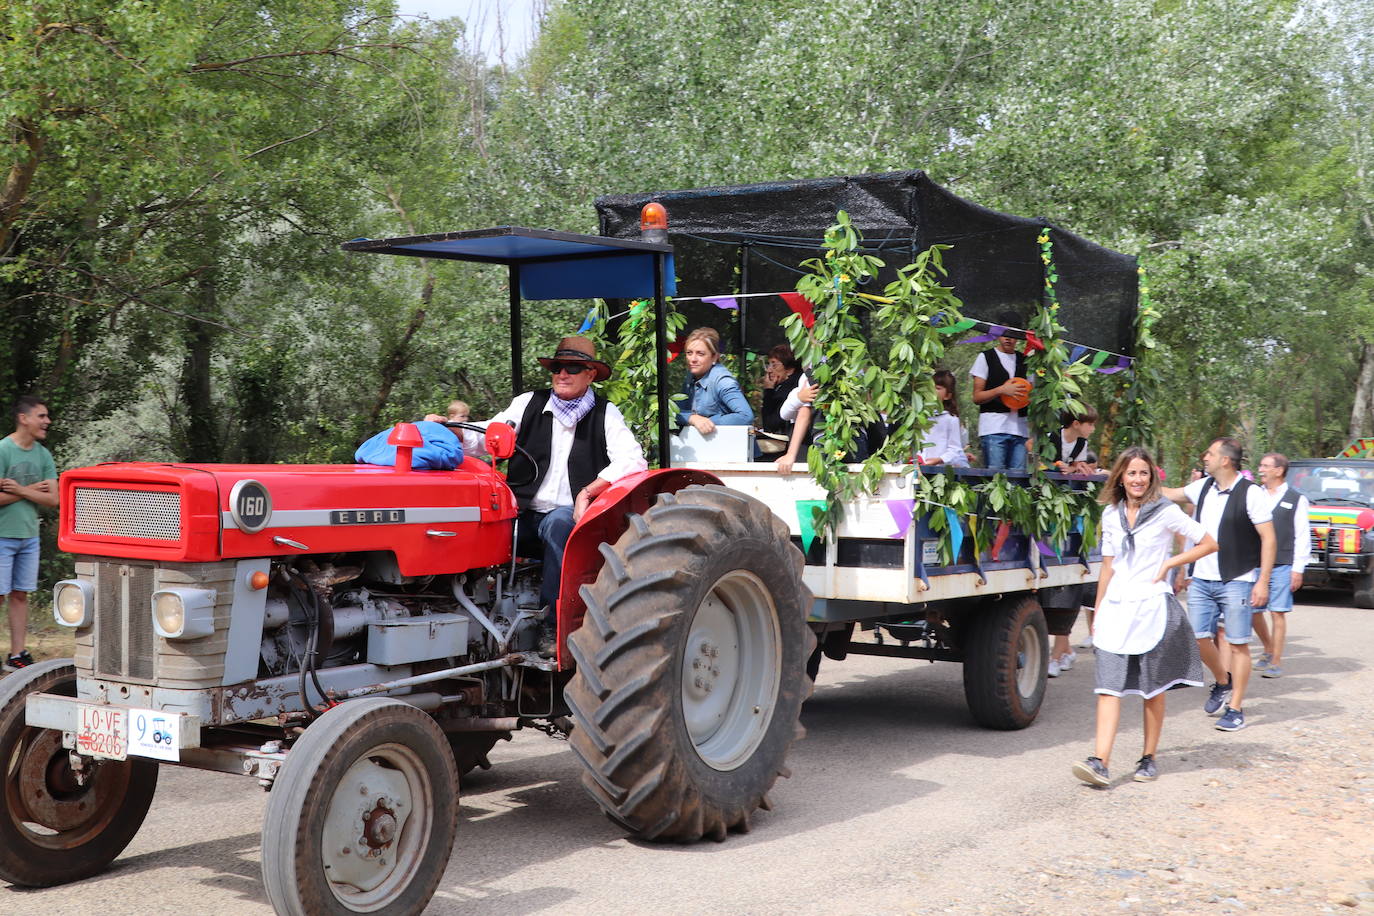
{"type": "Point", "coordinates": [754, 237]}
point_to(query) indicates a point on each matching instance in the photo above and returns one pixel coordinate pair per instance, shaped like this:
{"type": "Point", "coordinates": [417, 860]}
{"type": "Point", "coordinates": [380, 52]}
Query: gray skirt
{"type": "Point", "coordinates": [1173, 662]}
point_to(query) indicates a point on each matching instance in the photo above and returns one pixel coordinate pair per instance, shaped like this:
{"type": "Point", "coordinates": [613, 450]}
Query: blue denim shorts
{"type": "Point", "coordinates": [1211, 602]}
{"type": "Point", "coordinates": [1280, 590]}
{"type": "Point", "coordinates": [18, 565]}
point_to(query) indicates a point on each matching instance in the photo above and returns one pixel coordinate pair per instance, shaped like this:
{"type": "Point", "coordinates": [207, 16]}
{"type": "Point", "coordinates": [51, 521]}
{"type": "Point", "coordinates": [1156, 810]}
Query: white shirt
{"type": "Point", "coordinates": [946, 441]}
{"type": "Point", "coordinates": [790, 407]}
{"type": "Point", "coordinates": [1131, 618]}
{"type": "Point", "coordinates": [1256, 506]}
{"type": "Point", "coordinates": [991, 423]}
{"type": "Point", "coordinates": [554, 491]}
{"type": "Point", "coordinates": [1302, 528]}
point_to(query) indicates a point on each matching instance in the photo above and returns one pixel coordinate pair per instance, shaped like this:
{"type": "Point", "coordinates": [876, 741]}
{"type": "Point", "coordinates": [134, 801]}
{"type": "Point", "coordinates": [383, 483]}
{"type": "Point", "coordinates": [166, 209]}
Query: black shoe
{"type": "Point", "coordinates": [15, 662]}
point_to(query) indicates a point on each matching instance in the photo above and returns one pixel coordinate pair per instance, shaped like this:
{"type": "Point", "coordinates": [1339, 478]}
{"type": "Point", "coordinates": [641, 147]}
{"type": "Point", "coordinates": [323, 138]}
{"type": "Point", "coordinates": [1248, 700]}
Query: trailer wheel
{"type": "Point", "coordinates": [362, 816]}
{"type": "Point", "coordinates": [1006, 660]}
{"type": "Point", "coordinates": [691, 666]}
{"type": "Point", "coordinates": [54, 829]}
{"type": "Point", "coordinates": [470, 749]}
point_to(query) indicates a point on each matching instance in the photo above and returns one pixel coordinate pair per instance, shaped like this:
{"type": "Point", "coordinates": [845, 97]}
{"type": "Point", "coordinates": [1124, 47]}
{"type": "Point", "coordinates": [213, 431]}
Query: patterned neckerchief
{"type": "Point", "coordinates": [570, 413]}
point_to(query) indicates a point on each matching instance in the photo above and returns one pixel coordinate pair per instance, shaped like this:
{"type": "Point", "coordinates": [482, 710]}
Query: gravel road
{"type": "Point", "coordinates": [898, 804]}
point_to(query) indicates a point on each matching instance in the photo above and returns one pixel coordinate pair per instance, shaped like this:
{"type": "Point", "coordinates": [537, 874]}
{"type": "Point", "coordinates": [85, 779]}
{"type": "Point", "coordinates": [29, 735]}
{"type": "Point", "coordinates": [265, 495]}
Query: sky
{"type": "Point", "coordinates": [516, 17]}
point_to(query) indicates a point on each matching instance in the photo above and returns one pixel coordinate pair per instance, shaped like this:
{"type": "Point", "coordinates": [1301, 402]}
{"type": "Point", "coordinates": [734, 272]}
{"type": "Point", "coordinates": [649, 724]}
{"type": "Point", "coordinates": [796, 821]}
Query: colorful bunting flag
{"type": "Point", "coordinates": [722, 302]}
{"type": "Point", "coordinates": [956, 327]}
{"type": "Point", "coordinates": [901, 514]}
{"type": "Point", "coordinates": [1033, 343]}
{"type": "Point", "coordinates": [806, 520]}
{"type": "Point", "coordinates": [589, 322]}
{"type": "Point", "coordinates": [956, 534]}
{"type": "Point", "coordinates": [999, 539]}
{"type": "Point", "coordinates": [802, 306]}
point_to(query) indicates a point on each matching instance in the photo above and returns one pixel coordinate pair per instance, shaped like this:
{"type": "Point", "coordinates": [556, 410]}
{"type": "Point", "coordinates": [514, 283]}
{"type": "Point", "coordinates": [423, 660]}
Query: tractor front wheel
{"type": "Point", "coordinates": [57, 825]}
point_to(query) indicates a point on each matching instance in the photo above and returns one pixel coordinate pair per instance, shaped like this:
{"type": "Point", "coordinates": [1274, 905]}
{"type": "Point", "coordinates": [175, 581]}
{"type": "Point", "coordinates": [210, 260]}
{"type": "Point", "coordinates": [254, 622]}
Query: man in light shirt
{"type": "Point", "coordinates": [580, 445]}
{"type": "Point", "coordinates": [1227, 586]}
{"type": "Point", "coordinates": [997, 372]}
{"type": "Point", "coordinates": [1293, 534]}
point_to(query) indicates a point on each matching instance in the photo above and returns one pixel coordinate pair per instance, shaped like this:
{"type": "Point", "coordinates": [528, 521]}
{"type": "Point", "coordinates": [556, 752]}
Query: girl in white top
{"type": "Point", "coordinates": [946, 443]}
{"type": "Point", "coordinates": [1144, 643]}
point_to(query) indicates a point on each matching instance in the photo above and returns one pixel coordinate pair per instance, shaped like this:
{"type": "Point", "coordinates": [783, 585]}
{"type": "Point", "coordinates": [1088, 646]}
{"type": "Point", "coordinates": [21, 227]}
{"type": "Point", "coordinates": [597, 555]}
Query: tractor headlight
{"type": "Point", "coordinates": [184, 613]}
{"type": "Point", "coordinates": [72, 603]}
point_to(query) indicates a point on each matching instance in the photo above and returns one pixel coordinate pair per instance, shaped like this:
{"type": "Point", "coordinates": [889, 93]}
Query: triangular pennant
{"type": "Point", "coordinates": [802, 306]}
{"type": "Point", "coordinates": [955, 328]}
{"type": "Point", "coordinates": [956, 534]}
{"type": "Point", "coordinates": [1033, 343]}
{"type": "Point", "coordinates": [675, 347]}
{"type": "Point", "coordinates": [901, 514]}
{"type": "Point", "coordinates": [999, 539]}
{"type": "Point", "coordinates": [806, 520]}
{"type": "Point", "coordinates": [1077, 353]}
{"type": "Point", "coordinates": [1099, 359]}
{"type": "Point", "coordinates": [589, 322]}
{"type": "Point", "coordinates": [721, 302]}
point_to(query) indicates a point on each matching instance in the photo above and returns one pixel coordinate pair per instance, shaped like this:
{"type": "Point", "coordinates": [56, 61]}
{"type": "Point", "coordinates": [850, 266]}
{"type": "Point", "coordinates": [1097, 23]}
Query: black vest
{"type": "Point", "coordinates": [1237, 539]}
{"type": "Point", "coordinates": [1283, 526]}
{"type": "Point", "coordinates": [1079, 447]}
{"type": "Point", "coordinates": [997, 375]}
{"type": "Point", "coordinates": [587, 458]}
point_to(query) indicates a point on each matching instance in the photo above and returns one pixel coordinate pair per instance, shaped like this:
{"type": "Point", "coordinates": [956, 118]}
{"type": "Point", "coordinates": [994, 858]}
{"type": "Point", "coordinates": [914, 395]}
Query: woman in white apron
{"type": "Point", "coordinates": [1145, 645]}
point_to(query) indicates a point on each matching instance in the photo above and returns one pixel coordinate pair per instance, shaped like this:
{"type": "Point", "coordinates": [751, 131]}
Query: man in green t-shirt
{"type": "Point", "coordinates": [28, 479]}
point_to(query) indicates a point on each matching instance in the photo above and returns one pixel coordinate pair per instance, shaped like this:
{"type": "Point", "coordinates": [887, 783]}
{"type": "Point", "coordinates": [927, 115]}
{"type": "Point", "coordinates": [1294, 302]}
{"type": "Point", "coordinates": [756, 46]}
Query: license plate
{"type": "Point", "coordinates": [103, 731]}
{"type": "Point", "coordinates": [115, 732]}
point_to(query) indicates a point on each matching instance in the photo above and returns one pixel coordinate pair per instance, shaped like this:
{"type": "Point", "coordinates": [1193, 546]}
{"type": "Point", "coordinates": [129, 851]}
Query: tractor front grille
{"type": "Point", "coordinates": [124, 637]}
{"type": "Point", "coordinates": [106, 512]}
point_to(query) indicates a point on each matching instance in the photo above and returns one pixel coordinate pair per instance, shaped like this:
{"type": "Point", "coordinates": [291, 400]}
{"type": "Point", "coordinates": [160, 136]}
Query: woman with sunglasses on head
{"type": "Point", "coordinates": [1143, 638]}
{"type": "Point", "coordinates": [713, 396]}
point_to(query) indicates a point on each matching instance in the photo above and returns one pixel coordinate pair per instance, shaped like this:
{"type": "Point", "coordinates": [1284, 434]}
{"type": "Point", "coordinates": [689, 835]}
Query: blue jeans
{"type": "Point", "coordinates": [1211, 602]}
{"type": "Point", "coordinates": [552, 530]}
{"type": "Point", "coordinates": [18, 565]}
{"type": "Point", "coordinates": [1005, 451]}
{"type": "Point", "coordinates": [1280, 590]}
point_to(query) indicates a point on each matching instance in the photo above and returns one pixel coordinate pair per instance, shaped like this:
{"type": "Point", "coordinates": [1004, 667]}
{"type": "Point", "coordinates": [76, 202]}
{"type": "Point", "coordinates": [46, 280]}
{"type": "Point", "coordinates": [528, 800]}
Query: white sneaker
{"type": "Point", "coordinates": [1067, 659]}
{"type": "Point", "coordinates": [1054, 667]}
{"type": "Point", "coordinates": [1087, 642]}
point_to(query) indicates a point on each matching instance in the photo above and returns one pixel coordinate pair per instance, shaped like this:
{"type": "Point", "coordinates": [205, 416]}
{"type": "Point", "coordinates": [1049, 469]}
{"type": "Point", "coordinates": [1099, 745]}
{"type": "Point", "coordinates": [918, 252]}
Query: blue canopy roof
{"type": "Point", "coordinates": [552, 265]}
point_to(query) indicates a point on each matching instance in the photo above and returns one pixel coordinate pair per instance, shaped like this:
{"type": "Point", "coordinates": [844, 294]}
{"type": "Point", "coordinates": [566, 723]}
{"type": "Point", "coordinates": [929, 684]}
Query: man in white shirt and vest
{"type": "Point", "coordinates": [580, 445]}
{"type": "Point", "coordinates": [1293, 534]}
{"type": "Point", "coordinates": [998, 372]}
{"type": "Point", "coordinates": [1229, 585]}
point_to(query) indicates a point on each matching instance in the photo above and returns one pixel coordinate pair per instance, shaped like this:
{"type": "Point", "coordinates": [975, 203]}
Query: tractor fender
{"type": "Point", "coordinates": [603, 523]}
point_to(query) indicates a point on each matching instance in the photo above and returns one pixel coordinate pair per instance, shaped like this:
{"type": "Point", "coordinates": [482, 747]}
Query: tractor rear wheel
{"type": "Point", "coordinates": [1006, 661]}
{"type": "Point", "coordinates": [691, 666]}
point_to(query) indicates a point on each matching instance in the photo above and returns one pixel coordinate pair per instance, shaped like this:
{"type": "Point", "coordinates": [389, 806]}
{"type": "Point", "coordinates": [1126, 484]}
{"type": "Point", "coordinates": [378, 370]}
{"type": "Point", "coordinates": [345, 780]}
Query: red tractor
{"type": "Point", "coordinates": [357, 637]}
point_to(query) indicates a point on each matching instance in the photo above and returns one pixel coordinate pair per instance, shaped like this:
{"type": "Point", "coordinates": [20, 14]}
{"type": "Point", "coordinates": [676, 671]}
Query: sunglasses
{"type": "Point", "coordinates": [570, 368]}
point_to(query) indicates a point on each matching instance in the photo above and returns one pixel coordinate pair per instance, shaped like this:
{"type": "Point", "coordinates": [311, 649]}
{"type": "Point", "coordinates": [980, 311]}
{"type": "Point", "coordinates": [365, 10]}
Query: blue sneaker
{"type": "Point", "coordinates": [1217, 698]}
{"type": "Point", "coordinates": [1272, 671]}
{"type": "Point", "coordinates": [1232, 720]}
{"type": "Point", "coordinates": [1264, 662]}
{"type": "Point", "coordinates": [1093, 771]}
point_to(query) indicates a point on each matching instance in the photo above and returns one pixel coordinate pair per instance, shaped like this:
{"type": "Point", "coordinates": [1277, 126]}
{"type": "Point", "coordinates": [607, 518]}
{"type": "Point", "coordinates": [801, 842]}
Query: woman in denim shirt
{"type": "Point", "coordinates": [713, 396]}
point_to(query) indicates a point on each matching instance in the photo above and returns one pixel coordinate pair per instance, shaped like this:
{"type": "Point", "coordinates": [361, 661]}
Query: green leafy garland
{"type": "Point", "coordinates": [856, 386]}
{"type": "Point", "coordinates": [633, 386]}
{"type": "Point", "coordinates": [1135, 422]}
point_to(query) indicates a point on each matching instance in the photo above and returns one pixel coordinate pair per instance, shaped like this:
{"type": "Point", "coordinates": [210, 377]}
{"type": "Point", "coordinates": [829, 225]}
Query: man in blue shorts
{"type": "Point", "coordinates": [1229, 585]}
{"type": "Point", "coordinates": [28, 479]}
{"type": "Point", "coordinates": [1293, 533]}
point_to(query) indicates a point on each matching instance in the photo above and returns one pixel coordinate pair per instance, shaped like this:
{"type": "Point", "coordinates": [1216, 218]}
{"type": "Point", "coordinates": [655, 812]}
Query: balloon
{"type": "Point", "coordinates": [1365, 519]}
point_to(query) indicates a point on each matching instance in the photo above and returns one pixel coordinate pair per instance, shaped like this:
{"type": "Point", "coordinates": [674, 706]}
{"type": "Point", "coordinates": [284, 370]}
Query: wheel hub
{"type": "Point", "coordinates": [730, 670]}
{"type": "Point", "coordinates": [48, 789]}
{"type": "Point", "coordinates": [367, 814]}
